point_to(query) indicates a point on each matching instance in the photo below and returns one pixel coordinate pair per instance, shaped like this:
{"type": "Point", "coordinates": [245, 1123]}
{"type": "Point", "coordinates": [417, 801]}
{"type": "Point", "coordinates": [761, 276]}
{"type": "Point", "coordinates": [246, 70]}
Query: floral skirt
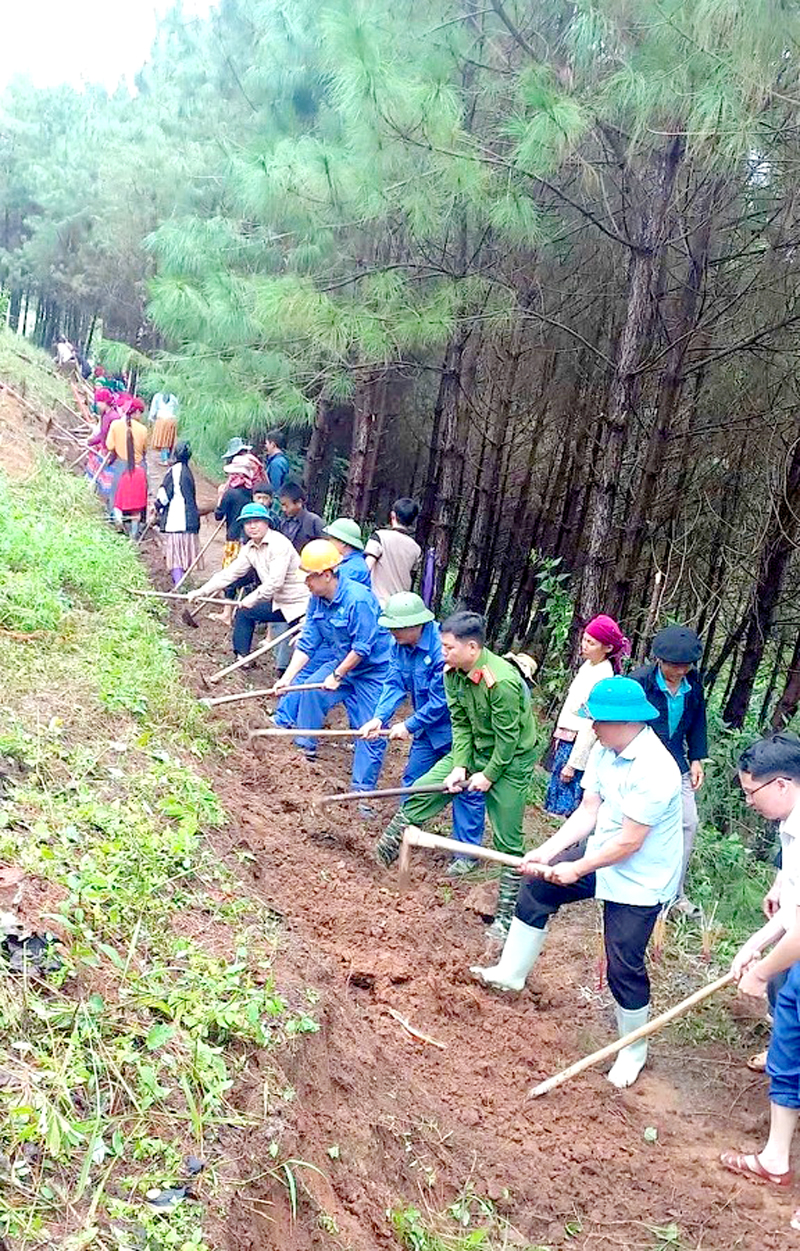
{"type": "Point", "coordinates": [232, 549]}
{"type": "Point", "coordinates": [563, 798]}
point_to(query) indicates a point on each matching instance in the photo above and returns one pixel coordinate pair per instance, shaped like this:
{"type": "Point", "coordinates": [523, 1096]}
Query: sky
{"type": "Point", "coordinates": [75, 41]}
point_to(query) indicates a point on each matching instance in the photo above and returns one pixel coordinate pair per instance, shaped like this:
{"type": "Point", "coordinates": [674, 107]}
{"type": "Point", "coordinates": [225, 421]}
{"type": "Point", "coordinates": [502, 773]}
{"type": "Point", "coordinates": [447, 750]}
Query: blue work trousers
{"type": "Point", "coordinates": [308, 710]}
{"type": "Point", "coordinates": [783, 1057]}
{"type": "Point", "coordinates": [469, 808]}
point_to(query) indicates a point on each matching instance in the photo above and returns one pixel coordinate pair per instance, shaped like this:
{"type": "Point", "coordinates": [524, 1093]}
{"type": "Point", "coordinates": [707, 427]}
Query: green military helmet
{"type": "Point", "coordinates": [404, 609]}
{"type": "Point", "coordinates": [346, 531]}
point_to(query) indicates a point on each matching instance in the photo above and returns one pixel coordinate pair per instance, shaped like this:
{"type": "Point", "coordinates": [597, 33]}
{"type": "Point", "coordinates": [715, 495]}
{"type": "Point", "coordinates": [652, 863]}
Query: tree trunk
{"type": "Point", "coordinates": [787, 705]}
{"type": "Point", "coordinates": [679, 330]}
{"type": "Point", "coordinates": [777, 546]}
{"type": "Point", "coordinates": [621, 409]}
{"type": "Point", "coordinates": [318, 457]}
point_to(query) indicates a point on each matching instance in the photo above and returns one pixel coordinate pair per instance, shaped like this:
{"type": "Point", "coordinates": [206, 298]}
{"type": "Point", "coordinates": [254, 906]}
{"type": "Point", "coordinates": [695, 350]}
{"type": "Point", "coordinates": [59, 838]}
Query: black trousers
{"type": "Point", "coordinates": [248, 582]}
{"type": "Point", "coordinates": [245, 622]}
{"type": "Point", "coordinates": [626, 932]}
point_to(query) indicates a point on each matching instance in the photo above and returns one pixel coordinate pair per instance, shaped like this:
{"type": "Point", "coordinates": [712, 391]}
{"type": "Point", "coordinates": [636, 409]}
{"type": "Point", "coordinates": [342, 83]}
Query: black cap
{"type": "Point", "coordinates": [678, 645]}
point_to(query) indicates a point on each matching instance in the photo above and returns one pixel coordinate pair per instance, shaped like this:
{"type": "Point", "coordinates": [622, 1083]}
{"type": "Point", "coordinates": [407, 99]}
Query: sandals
{"type": "Point", "coordinates": [750, 1166]}
{"type": "Point", "coordinates": [758, 1062]}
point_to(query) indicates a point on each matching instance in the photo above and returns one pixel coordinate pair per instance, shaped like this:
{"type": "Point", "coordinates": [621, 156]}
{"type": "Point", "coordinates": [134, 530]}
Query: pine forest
{"type": "Point", "coordinates": [535, 265]}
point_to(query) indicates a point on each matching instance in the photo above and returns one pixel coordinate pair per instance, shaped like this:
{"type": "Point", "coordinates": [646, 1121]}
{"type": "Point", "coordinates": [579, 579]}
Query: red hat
{"type": "Point", "coordinates": [103, 396]}
{"type": "Point", "coordinates": [137, 405]}
{"type": "Point", "coordinates": [605, 630]}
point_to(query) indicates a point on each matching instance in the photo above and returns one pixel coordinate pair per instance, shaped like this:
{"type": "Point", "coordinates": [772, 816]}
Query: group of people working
{"type": "Point", "coordinates": [626, 758]}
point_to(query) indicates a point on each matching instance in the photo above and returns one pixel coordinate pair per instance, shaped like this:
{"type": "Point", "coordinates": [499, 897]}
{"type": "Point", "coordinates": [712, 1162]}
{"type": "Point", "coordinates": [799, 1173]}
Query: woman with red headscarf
{"type": "Point", "coordinates": [602, 646]}
{"type": "Point", "coordinates": [127, 440]}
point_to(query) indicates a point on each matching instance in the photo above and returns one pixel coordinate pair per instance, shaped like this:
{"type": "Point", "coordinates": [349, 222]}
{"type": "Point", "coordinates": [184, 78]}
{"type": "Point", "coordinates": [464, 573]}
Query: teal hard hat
{"type": "Point", "coordinates": [404, 609]}
{"type": "Point", "coordinates": [346, 531]}
{"type": "Point", "coordinates": [618, 699]}
{"type": "Point", "coordinates": [254, 512]}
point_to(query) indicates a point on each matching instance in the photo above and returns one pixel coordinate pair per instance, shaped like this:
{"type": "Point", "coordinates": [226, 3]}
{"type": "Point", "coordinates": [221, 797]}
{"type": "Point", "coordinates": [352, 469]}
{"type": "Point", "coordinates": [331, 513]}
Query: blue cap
{"type": "Point", "coordinates": [618, 699]}
{"type": "Point", "coordinates": [253, 512]}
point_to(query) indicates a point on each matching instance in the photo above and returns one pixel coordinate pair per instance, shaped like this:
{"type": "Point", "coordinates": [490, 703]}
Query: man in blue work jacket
{"type": "Point", "coordinates": [416, 669]}
{"type": "Point", "coordinates": [343, 647]}
{"type": "Point", "coordinates": [345, 535]}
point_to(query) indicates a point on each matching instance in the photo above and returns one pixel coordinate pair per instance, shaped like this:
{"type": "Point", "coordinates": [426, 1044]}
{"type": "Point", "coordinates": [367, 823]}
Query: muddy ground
{"type": "Point", "coordinates": [415, 1123]}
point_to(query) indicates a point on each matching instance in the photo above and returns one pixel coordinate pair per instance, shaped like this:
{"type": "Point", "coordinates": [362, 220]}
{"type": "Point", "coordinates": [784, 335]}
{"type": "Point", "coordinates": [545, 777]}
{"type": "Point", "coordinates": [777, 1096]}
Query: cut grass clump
{"type": "Point", "coordinates": [125, 1059]}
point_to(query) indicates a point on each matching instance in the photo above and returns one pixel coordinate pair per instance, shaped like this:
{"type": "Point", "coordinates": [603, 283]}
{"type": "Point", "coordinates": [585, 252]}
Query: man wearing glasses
{"type": "Point", "coordinates": [769, 773]}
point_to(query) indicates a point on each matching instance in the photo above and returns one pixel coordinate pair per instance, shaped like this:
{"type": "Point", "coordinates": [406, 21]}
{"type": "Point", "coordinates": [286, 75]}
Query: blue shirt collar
{"type": "Point", "coordinates": [661, 682]}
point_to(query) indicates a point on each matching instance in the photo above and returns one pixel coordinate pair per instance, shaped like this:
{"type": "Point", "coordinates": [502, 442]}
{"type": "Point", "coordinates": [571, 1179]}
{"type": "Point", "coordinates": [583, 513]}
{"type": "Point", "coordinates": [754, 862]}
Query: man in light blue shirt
{"type": "Point", "coordinates": [630, 817]}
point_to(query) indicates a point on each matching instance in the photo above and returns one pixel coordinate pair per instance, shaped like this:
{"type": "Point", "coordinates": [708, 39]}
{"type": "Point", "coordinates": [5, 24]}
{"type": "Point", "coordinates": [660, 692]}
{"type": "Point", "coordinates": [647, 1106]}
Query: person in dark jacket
{"type": "Point", "coordinates": [176, 506]}
{"type": "Point", "coordinates": [673, 685]}
{"type": "Point", "coordinates": [299, 524]}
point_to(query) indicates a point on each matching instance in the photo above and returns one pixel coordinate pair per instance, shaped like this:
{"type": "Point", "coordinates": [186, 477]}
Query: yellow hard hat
{"type": "Point", "coordinates": [318, 556]}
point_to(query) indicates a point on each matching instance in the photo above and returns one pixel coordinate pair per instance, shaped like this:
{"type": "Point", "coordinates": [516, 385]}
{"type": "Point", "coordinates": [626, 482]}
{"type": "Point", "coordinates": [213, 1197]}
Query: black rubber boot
{"type": "Point", "coordinates": [387, 848]}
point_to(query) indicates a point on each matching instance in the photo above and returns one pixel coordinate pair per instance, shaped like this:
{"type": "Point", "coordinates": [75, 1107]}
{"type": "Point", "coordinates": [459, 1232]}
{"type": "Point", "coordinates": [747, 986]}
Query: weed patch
{"type": "Point", "coordinates": [119, 1064]}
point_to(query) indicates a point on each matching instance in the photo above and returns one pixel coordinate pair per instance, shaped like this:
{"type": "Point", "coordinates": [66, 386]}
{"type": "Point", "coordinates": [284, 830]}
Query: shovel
{"type": "Point", "coordinates": [389, 793]}
{"type": "Point", "coordinates": [264, 691]}
{"type": "Point", "coordinates": [251, 656]}
{"type": "Point", "coordinates": [413, 836]}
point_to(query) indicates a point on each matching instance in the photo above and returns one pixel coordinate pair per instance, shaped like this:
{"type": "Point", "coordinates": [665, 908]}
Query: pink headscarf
{"type": "Point", "coordinates": [605, 630]}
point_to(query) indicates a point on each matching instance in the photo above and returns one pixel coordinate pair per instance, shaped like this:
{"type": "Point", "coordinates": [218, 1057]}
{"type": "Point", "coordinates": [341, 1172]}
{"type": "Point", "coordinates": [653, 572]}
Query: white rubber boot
{"type": "Point", "coordinates": [630, 1061]}
{"type": "Point", "coordinates": [520, 953]}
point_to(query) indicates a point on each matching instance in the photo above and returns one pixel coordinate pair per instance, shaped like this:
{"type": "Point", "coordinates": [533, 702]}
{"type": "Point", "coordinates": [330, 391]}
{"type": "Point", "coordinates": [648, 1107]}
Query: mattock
{"type": "Point", "coordinates": [413, 836]}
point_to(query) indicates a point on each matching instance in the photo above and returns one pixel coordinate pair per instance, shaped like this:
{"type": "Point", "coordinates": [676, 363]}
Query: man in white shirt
{"type": "Point", "coordinates": [281, 594]}
{"type": "Point", "coordinates": [769, 774]}
{"type": "Point", "coordinates": [630, 816]}
{"type": "Point", "coordinates": [393, 554]}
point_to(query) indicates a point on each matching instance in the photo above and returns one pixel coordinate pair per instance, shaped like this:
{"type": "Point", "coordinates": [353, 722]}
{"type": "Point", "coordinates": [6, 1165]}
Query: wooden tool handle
{"type": "Point", "coordinates": [644, 1031]}
{"type": "Point", "coordinates": [205, 599]}
{"type": "Point", "coordinates": [389, 793]}
{"type": "Point", "coordinates": [263, 692]}
{"type": "Point", "coordinates": [200, 554]}
{"type": "Point", "coordinates": [421, 838]}
{"type": "Point", "coordinates": [301, 732]}
{"type": "Point", "coordinates": [243, 661]}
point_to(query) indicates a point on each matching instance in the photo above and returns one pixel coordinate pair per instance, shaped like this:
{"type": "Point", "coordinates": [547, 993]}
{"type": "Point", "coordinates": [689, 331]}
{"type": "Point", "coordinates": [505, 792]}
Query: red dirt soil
{"type": "Point", "coordinates": [415, 1124]}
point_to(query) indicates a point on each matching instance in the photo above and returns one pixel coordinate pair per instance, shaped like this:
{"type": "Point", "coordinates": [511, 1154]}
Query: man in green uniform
{"type": "Point", "coordinates": [493, 751]}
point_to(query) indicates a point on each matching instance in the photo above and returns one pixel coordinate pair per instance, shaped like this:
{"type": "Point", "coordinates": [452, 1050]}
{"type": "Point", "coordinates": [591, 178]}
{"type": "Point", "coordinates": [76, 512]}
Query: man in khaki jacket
{"type": "Point", "coordinates": [281, 595]}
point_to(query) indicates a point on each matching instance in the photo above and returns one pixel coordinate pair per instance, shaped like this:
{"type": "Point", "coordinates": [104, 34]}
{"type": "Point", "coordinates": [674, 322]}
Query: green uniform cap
{"type": "Point", "coordinates": [404, 609]}
{"type": "Point", "coordinates": [346, 531]}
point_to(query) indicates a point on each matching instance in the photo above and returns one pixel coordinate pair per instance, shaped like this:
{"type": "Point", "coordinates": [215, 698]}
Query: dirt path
{"type": "Point", "coordinates": [411, 1123]}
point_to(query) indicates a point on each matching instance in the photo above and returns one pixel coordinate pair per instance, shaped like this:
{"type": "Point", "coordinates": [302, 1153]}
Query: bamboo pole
{"type": "Point", "coordinates": [263, 692]}
{"type": "Point", "coordinates": [652, 1027]}
{"type": "Point", "coordinates": [200, 554]}
{"type": "Point", "coordinates": [243, 661]}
